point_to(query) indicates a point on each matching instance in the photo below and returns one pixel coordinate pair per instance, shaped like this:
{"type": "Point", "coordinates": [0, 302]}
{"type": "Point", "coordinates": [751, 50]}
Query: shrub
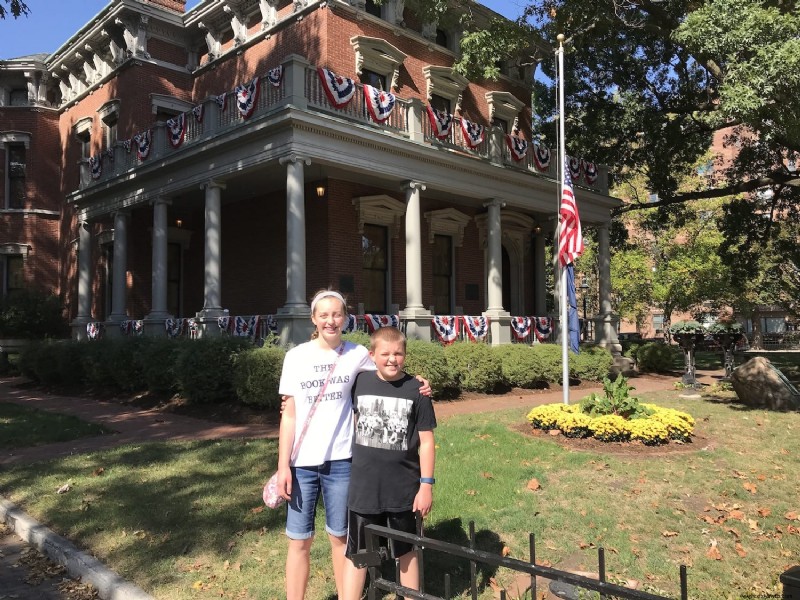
{"type": "Point", "coordinates": [205, 369]}
{"type": "Point", "coordinates": [648, 431]}
{"type": "Point", "coordinates": [476, 367]}
{"type": "Point", "coordinates": [98, 366]}
{"type": "Point", "coordinates": [30, 314]}
{"type": "Point", "coordinates": [357, 337]}
{"type": "Point", "coordinates": [610, 428]}
{"type": "Point", "coordinates": [159, 363]}
{"type": "Point", "coordinates": [126, 362]}
{"type": "Point", "coordinates": [654, 357]}
{"type": "Point", "coordinates": [548, 357]}
{"type": "Point", "coordinates": [428, 360]}
{"type": "Point", "coordinates": [591, 363]}
{"type": "Point", "coordinates": [547, 415]}
{"type": "Point", "coordinates": [257, 374]}
{"type": "Point", "coordinates": [39, 361]}
{"type": "Point", "coordinates": [574, 424]}
{"type": "Point", "coordinates": [521, 365]}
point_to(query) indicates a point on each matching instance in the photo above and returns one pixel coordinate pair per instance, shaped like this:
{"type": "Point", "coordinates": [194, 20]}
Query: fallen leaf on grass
{"type": "Point", "coordinates": [257, 510]}
{"type": "Point", "coordinates": [471, 493]}
{"type": "Point", "coordinates": [736, 514]}
{"type": "Point", "coordinates": [713, 552]}
{"type": "Point", "coordinates": [98, 471]}
{"type": "Point", "coordinates": [764, 512]}
{"type": "Point", "coordinates": [506, 551]}
{"type": "Point", "coordinates": [487, 475]}
{"type": "Point", "coordinates": [750, 487]}
{"type": "Point", "coordinates": [585, 545]}
{"type": "Point", "coordinates": [64, 489]}
{"type": "Point", "coordinates": [792, 516]}
{"type": "Point", "coordinates": [740, 550]}
{"type": "Point", "coordinates": [669, 533]}
{"type": "Point", "coordinates": [534, 485]}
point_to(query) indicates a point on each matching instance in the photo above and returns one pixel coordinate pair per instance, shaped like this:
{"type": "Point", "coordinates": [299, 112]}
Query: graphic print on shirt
{"type": "Point", "coordinates": [383, 422]}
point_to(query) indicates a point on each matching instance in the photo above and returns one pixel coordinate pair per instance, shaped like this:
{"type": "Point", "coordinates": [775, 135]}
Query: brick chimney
{"type": "Point", "coordinates": [173, 5]}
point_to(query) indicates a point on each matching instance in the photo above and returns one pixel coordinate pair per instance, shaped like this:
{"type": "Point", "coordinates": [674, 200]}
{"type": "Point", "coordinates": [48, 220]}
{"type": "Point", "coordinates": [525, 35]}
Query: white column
{"type": "Point", "coordinates": [294, 322]}
{"type": "Point", "coordinates": [160, 232]}
{"type": "Point", "coordinates": [499, 318]}
{"type": "Point", "coordinates": [605, 322]}
{"type": "Point", "coordinates": [212, 289]}
{"type": "Point", "coordinates": [494, 284]}
{"type": "Point", "coordinates": [413, 246]}
{"type": "Point", "coordinates": [118, 285]}
{"type": "Point", "coordinates": [539, 275]}
{"type": "Point", "coordinates": [84, 272]}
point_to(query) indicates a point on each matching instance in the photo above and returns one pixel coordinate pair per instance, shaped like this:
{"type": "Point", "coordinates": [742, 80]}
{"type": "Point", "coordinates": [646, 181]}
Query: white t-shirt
{"type": "Point", "coordinates": [305, 369]}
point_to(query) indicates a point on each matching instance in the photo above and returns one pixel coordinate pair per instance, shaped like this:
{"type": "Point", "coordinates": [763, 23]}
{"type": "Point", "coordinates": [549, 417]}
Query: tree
{"type": "Point", "coordinates": [16, 8]}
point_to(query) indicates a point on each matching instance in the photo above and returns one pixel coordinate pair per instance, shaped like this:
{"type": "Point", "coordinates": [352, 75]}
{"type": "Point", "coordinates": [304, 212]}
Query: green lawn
{"type": "Point", "coordinates": [22, 426]}
{"type": "Point", "coordinates": [185, 520]}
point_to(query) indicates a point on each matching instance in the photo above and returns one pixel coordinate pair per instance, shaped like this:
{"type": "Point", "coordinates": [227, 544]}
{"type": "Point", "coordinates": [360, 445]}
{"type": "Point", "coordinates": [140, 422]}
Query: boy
{"type": "Point", "coordinates": [392, 473]}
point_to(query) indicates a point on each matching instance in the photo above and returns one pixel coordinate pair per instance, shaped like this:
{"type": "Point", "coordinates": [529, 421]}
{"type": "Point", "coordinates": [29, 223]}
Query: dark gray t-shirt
{"type": "Point", "coordinates": [385, 473]}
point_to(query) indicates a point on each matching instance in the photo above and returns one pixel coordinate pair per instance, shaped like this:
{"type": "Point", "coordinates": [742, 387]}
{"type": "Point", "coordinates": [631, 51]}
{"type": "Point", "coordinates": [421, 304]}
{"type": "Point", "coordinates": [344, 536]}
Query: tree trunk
{"type": "Point", "coordinates": [758, 338]}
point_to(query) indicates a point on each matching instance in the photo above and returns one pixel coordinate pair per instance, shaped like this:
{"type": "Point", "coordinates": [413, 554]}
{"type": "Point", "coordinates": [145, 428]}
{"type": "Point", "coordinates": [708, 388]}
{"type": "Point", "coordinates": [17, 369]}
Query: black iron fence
{"type": "Point", "coordinates": [571, 584]}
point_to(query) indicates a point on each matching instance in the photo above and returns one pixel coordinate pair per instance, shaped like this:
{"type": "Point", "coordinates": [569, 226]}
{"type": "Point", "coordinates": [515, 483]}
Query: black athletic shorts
{"type": "Point", "coordinates": [405, 521]}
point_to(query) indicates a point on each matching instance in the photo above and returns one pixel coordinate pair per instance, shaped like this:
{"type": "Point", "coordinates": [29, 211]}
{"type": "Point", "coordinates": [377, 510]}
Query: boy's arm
{"type": "Point", "coordinates": [427, 458]}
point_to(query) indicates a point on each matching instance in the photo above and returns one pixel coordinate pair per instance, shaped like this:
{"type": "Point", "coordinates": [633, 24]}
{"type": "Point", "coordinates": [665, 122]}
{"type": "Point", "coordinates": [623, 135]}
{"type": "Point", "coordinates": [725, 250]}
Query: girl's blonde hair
{"type": "Point", "coordinates": [326, 293]}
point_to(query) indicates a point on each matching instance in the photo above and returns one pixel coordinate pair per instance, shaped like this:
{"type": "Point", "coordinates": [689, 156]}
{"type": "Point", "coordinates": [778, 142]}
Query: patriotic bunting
{"type": "Point", "coordinates": [272, 325]}
{"type": "Point", "coordinates": [143, 144]}
{"type": "Point", "coordinates": [351, 324]}
{"type": "Point", "coordinates": [589, 172]}
{"type": "Point", "coordinates": [94, 330]}
{"type": "Point", "coordinates": [174, 327]}
{"type": "Point", "coordinates": [246, 97]}
{"type": "Point", "coordinates": [544, 327]}
{"type": "Point", "coordinates": [446, 328]}
{"type": "Point", "coordinates": [275, 75]}
{"type": "Point", "coordinates": [224, 323]}
{"type": "Point", "coordinates": [377, 321]}
{"type": "Point", "coordinates": [477, 328]}
{"type": "Point", "coordinates": [541, 157]}
{"type": "Point", "coordinates": [521, 326]}
{"type": "Point", "coordinates": [96, 166]}
{"type": "Point", "coordinates": [198, 112]}
{"type": "Point", "coordinates": [441, 122]}
{"type": "Point", "coordinates": [245, 326]}
{"type": "Point", "coordinates": [222, 101]}
{"type": "Point", "coordinates": [473, 133]}
{"type": "Point", "coordinates": [339, 90]}
{"type": "Point", "coordinates": [518, 147]}
{"type": "Point", "coordinates": [574, 167]}
{"type": "Point", "coordinates": [379, 103]}
{"type": "Point", "coordinates": [176, 127]}
{"type": "Point", "coordinates": [131, 327]}
{"type": "Point", "coordinates": [127, 145]}
{"type": "Point", "coordinates": [110, 154]}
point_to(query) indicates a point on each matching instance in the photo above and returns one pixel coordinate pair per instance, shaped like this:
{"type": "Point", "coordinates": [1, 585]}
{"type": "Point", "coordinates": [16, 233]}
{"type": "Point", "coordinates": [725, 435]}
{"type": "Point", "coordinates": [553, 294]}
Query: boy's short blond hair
{"type": "Point", "coordinates": [386, 334]}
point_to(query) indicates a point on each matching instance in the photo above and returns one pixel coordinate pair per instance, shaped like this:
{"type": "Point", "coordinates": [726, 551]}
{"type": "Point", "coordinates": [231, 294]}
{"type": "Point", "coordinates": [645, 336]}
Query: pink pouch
{"type": "Point", "coordinates": [270, 494]}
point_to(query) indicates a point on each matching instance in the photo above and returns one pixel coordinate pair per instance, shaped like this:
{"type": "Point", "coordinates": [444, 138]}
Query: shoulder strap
{"type": "Point", "coordinates": [313, 409]}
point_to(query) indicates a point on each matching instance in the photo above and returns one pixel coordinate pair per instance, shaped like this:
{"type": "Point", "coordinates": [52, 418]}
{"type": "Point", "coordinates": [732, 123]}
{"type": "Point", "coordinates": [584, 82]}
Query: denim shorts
{"type": "Point", "coordinates": [332, 478]}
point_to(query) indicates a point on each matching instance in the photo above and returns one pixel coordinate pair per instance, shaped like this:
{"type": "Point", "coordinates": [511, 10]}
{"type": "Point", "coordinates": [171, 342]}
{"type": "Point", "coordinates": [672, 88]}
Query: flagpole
{"type": "Point", "coordinates": [564, 317]}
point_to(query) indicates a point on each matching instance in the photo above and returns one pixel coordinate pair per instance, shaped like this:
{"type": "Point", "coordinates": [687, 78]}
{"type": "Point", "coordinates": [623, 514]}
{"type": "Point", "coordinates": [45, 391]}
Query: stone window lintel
{"type": "Point", "coordinates": [380, 210]}
{"type": "Point", "coordinates": [378, 55]}
{"type": "Point", "coordinates": [447, 221]}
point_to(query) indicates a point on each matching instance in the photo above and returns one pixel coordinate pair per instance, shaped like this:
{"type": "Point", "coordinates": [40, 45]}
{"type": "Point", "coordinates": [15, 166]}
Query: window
{"type": "Point", "coordinates": [374, 79]}
{"type": "Point", "coordinates": [504, 109]}
{"type": "Point", "coordinates": [658, 323]}
{"type": "Point", "coordinates": [378, 56]}
{"type": "Point", "coordinates": [444, 83]}
{"type": "Point", "coordinates": [442, 274]}
{"type": "Point", "coordinates": [14, 280]}
{"type": "Point", "coordinates": [16, 175]}
{"type": "Point", "coordinates": [18, 97]}
{"type": "Point", "coordinates": [83, 133]}
{"type": "Point", "coordinates": [501, 123]}
{"type": "Point", "coordinates": [109, 116]}
{"type": "Point", "coordinates": [373, 9]}
{"type": "Point", "coordinates": [441, 104]}
{"type": "Point", "coordinates": [174, 277]}
{"type": "Point", "coordinates": [441, 38]}
{"type": "Point", "coordinates": [375, 252]}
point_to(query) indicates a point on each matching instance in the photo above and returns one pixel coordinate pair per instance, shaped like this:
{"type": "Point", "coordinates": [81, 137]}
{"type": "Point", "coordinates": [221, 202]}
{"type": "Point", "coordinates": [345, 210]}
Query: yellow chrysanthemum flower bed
{"type": "Point", "coordinates": [659, 427]}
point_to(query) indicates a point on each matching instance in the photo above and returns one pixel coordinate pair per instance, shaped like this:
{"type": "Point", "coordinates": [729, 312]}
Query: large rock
{"type": "Point", "coordinates": [759, 383]}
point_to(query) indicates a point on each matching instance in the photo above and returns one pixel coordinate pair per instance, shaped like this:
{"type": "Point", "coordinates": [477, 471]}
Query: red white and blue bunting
{"type": "Point", "coordinates": [351, 324]}
{"type": "Point", "coordinates": [143, 142]}
{"type": "Point", "coordinates": [96, 166]}
{"type": "Point", "coordinates": [477, 327]}
{"type": "Point", "coordinates": [541, 157]}
{"type": "Point", "coordinates": [246, 97]}
{"type": "Point", "coordinates": [544, 327]}
{"type": "Point", "coordinates": [274, 76]}
{"type": "Point", "coordinates": [245, 326]}
{"type": "Point", "coordinates": [473, 133]}
{"type": "Point", "coordinates": [339, 90]}
{"type": "Point", "coordinates": [518, 147]}
{"type": "Point", "coordinates": [379, 103]}
{"type": "Point", "coordinates": [94, 330]}
{"type": "Point", "coordinates": [174, 327]}
{"type": "Point", "coordinates": [377, 321]}
{"type": "Point", "coordinates": [224, 323]}
{"type": "Point", "coordinates": [574, 168]}
{"type": "Point", "coordinates": [198, 112]}
{"type": "Point", "coordinates": [131, 327]}
{"type": "Point", "coordinates": [446, 327]}
{"type": "Point", "coordinates": [176, 129]}
{"type": "Point", "coordinates": [441, 122]}
{"type": "Point", "coordinates": [222, 101]}
{"type": "Point", "coordinates": [589, 172]}
{"type": "Point", "coordinates": [127, 145]}
{"type": "Point", "coordinates": [110, 154]}
{"type": "Point", "coordinates": [521, 326]}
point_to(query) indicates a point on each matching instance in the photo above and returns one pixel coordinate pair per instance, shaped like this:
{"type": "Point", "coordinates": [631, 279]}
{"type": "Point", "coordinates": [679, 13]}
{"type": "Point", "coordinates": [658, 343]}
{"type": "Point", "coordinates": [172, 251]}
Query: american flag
{"type": "Point", "coordinates": [570, 238]}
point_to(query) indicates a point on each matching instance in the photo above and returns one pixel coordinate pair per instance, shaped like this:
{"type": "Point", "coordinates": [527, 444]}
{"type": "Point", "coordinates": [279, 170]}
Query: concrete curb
{"type": "Point", "coordinates": [88, 569]}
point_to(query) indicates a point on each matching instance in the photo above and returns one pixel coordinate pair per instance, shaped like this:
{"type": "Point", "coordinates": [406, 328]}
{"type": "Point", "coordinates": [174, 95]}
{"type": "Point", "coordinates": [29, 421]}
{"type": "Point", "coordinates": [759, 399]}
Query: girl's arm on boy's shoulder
{"type": "Point", "coordinates": [425, 386]}
{"type": "Point", "coordinates": [427, 460]}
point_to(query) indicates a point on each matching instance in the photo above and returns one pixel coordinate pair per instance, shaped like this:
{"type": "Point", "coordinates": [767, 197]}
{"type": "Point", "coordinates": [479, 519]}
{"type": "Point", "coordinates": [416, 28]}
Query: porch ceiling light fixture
{"type": "Point", "coordinates": [320, 191]}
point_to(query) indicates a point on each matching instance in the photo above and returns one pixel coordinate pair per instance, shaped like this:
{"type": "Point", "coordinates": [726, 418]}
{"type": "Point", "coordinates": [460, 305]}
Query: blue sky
{"type": "Point", "coordinates": [52, 22]}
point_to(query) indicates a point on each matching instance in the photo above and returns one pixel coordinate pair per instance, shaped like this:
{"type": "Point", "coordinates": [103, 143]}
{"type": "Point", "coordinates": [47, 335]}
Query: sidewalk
{"type": "Point", "coordinates": [134, 425]}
